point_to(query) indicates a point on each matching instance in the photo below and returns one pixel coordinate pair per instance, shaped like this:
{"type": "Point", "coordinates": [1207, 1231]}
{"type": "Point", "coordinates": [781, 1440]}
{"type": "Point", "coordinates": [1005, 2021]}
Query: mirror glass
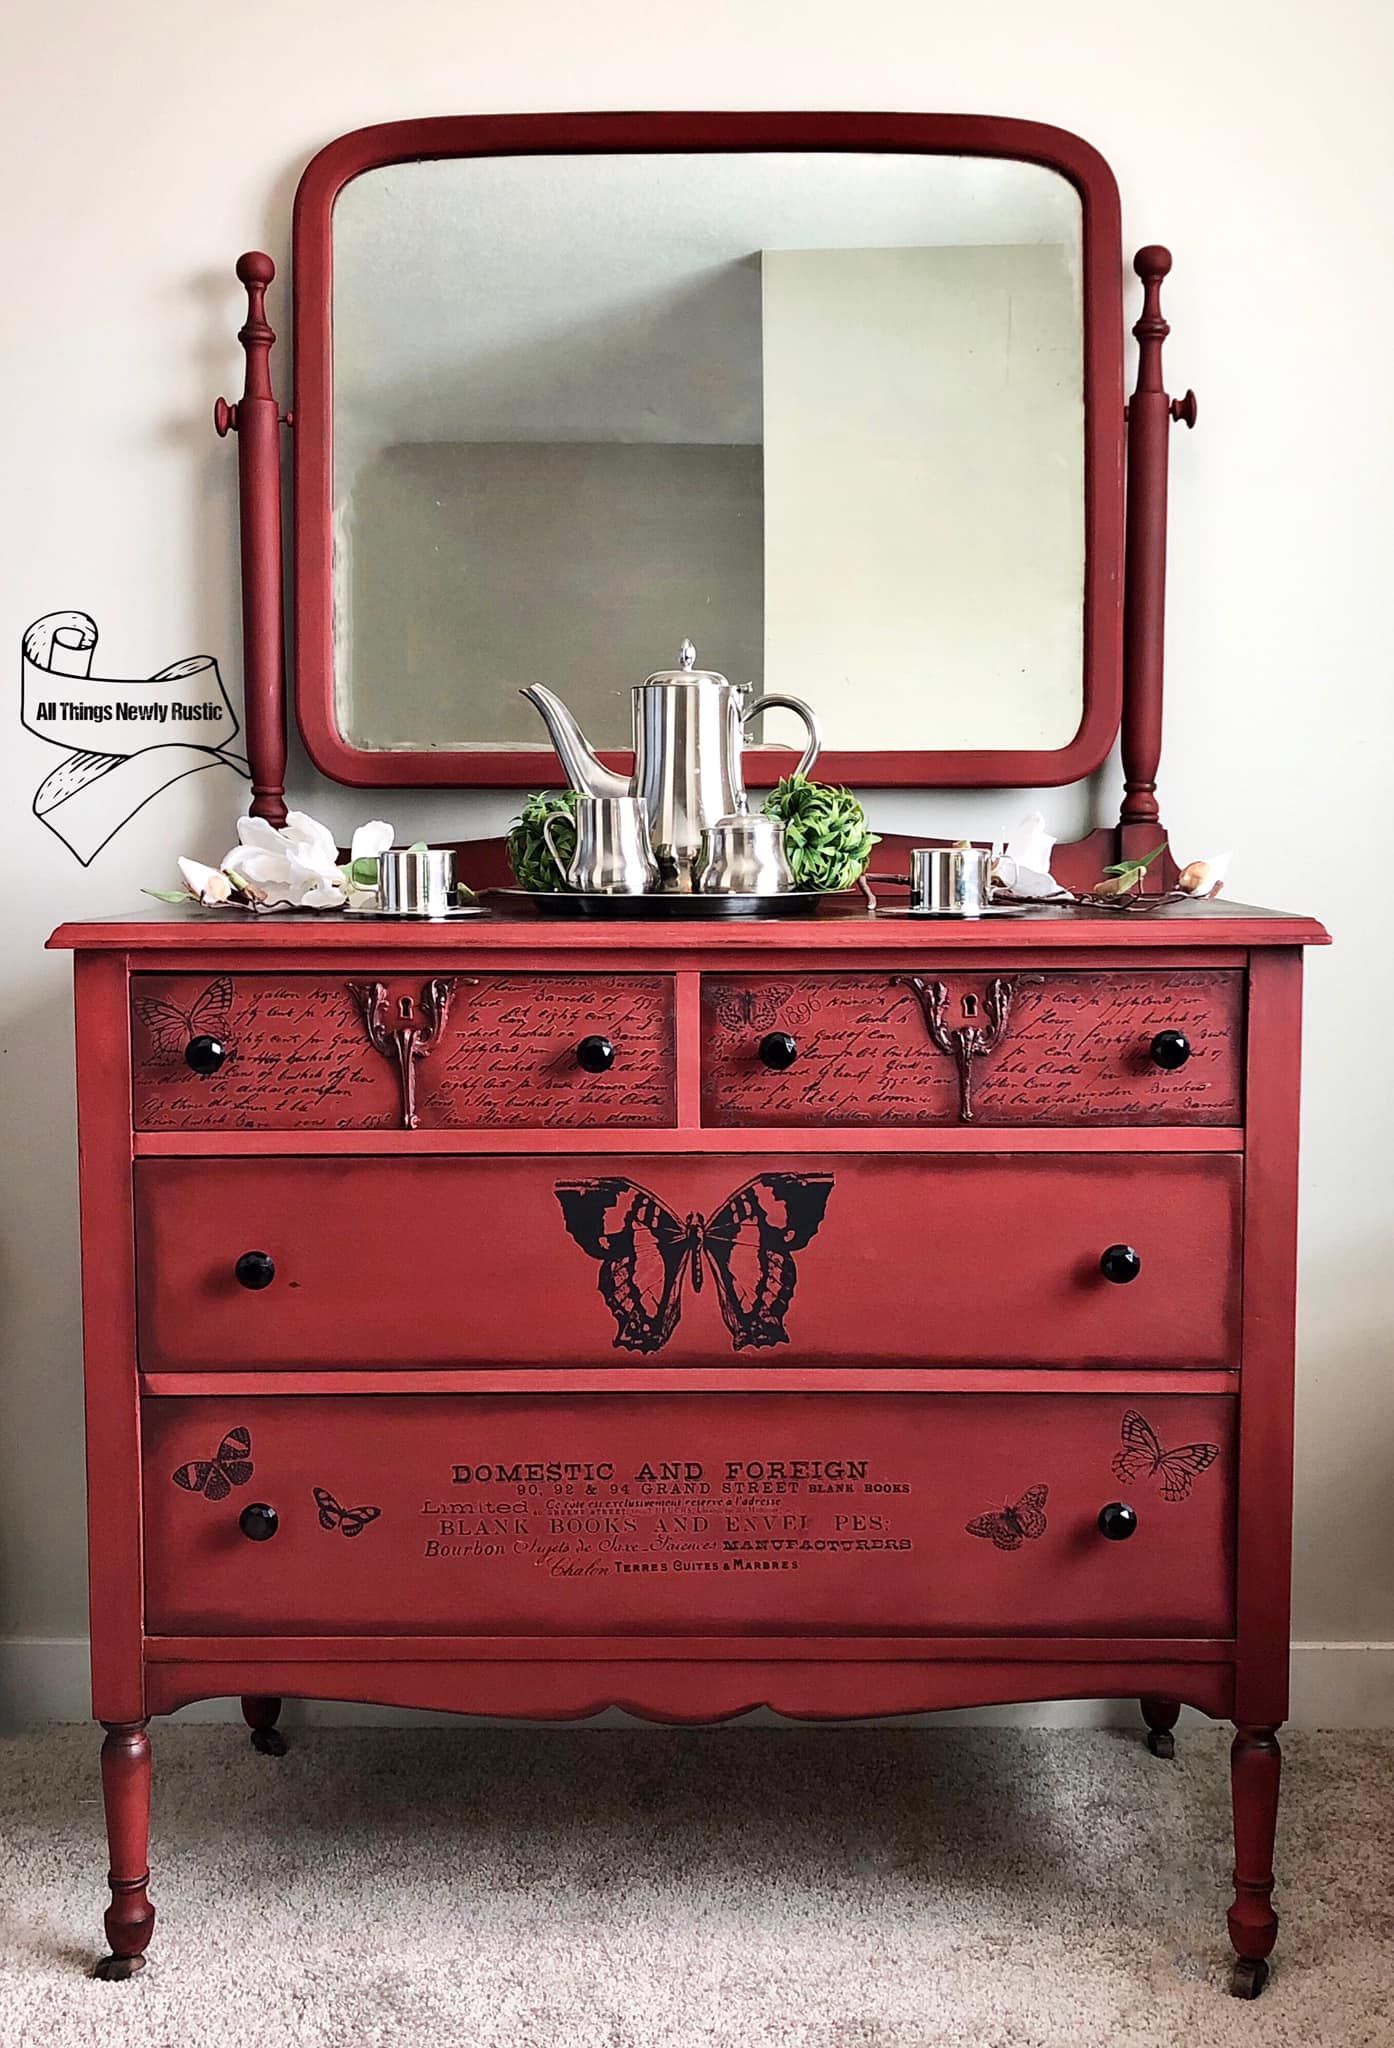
{"type": "Point", "coordinates": [821, 413]}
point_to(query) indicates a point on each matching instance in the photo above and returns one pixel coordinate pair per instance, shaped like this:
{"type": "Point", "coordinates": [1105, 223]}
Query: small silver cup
{"type": "Point", "coordinates": [955, 881]}
{"type": "Point", "coordinates": [414, 883]}
{"type": "Point", "coordinates": [613, 854]}
{"type": "Point", "coordinates": [743, 855]}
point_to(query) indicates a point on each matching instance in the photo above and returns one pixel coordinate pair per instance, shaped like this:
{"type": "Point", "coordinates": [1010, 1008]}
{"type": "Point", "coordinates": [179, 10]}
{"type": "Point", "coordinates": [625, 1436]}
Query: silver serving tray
{"type": "Point", "coordinates": [577, 903]}
{"type": "Point", "coordinates": [416, 916]}
{"type": "Point", "coordinates": [968, 916]}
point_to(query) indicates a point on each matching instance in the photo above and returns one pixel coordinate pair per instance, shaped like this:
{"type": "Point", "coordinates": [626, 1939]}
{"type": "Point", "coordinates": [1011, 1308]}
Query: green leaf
{"type": "Point", "coordinates": [171, 895]}
{"type": "Point", "coordinates": [364, 872]}
{"type": "Point", "coordinates": [418, 846]}
{"type": "Point", "coordinates": [1128, 867]}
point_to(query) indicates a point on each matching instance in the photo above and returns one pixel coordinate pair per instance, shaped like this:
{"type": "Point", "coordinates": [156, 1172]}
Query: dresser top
{"type": "Point", "coordinates": [835, 928]}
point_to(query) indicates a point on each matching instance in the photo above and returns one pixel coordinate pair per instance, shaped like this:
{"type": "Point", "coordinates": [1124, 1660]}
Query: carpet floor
{"type": "Point", "coordinates": [738, 1888]}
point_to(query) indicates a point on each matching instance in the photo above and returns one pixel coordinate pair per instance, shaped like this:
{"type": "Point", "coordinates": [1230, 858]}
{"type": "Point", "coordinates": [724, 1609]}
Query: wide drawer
{"type": "Point", "coordinates": [1075, 1048]}
{"type": "Point", "coordinates": [689, 1514]}
{"type": "Point", "coordinates": [297, 1053]}
{"type": "Point", "coordinates": [887, 1258]}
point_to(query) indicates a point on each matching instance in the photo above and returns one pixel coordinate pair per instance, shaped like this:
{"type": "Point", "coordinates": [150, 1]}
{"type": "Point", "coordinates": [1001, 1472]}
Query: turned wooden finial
{"type": "Point", "coordinates": [255, 271]}
{"type": "Point", "coordinates": [1152, 264]}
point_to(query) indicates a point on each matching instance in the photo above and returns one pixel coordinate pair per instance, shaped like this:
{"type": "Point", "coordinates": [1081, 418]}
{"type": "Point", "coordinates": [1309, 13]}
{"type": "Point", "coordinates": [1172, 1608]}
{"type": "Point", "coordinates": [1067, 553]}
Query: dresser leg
{"type": "Point", "coordinates": [261, 1712]}
{"type": "Point", "coordinates": [1255, 1768]}
{"type": "Point", "coordinates": [130, 1918]}
{"type": "Point", "coordinates": [1161, 1717]}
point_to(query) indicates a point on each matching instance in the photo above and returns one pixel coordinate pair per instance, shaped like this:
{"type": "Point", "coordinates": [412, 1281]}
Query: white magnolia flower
{"type": "Point", "coordinates": [210, 885]}
{"type": "Point", "coordinates": [1024, 867]}
{"type": "Point", "coordinates": [368, 842]}
{"type": "Point", "coordinates": [295, 867]}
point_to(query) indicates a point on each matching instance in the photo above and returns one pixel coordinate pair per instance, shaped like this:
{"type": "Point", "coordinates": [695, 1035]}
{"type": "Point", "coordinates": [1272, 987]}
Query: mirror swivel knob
{"type": "Point", "coordinates": [205, 1054]}
{"type": "Point", "coordinates": [1169, 1050]}
{"type": "Point", "coordinates": [258, 1521]}
{"type": "Point", "coordinates": [778, 1050]}
{"type": "Point", "coordinates": [1117, 1521]}
{"type": "Point", "coordinates": [1120, 1263]}
{"type": "Point", "coordinates": [255, 1270]}
{"type": "Point", "coordinates": [595, 1054]}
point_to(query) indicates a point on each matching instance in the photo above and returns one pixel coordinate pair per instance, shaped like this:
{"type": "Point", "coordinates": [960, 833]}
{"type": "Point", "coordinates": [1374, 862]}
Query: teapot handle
{"type": "Point", "coordinates": [815, 737]}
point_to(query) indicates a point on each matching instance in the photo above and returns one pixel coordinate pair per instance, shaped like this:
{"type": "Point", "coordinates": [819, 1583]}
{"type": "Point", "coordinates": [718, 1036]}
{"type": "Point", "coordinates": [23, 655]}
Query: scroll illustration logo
{"type": "Point", "coordinates": [126, 739]}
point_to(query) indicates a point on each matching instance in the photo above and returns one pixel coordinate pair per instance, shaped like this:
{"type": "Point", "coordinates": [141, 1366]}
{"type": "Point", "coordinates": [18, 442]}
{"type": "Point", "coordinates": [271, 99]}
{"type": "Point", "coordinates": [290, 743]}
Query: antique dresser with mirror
{"type": "Point", "coordinates": [403, 1382]}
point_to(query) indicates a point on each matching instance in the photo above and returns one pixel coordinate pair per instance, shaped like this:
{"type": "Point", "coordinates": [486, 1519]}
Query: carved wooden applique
{"type": "Point", "coordinates": [410, 1035]}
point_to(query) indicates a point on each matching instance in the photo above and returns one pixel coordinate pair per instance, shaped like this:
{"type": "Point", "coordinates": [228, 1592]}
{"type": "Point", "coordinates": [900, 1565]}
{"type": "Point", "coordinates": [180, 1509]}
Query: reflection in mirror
{"type": "Point", "coordinates": [820, 412]}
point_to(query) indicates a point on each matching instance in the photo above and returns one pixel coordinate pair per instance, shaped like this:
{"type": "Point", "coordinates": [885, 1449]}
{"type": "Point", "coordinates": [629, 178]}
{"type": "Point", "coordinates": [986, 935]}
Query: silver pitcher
{"type": "Point", "coordinates": [613, 856]}
{"type": "Point", "coordinates": [689, 734]}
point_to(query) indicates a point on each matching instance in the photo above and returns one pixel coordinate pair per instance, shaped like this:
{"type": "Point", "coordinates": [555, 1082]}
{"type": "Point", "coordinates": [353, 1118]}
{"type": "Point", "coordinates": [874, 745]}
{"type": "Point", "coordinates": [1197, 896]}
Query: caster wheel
{"type": "Point", "coordinates": [1247, 1977]}
{"type": "Point", "coordinates": [1162, 1743]}
{"type": "Point", "coordinates": [268, 1742]}
{"type": "Point", "coordinates": [116, 1969]}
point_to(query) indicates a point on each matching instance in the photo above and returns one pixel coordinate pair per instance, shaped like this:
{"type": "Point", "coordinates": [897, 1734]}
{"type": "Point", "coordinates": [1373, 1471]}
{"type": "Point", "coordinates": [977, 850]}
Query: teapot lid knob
{"type": "Point", "coordinates": [687, 655]}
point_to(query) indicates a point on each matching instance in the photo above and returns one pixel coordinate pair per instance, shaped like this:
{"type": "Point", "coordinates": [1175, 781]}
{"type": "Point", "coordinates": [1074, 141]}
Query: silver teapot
{"type": "Point", "coordinates": [689, 735]}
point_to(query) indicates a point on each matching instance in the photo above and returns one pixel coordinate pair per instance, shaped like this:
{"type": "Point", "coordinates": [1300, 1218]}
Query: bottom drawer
{"type": "Point", "coordinates": [703, 1514]}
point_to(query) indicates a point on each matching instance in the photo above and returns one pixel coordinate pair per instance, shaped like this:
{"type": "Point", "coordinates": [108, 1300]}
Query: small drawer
{"type": "Point", "coordinates": [701, 1259]}
{"type": "Point", "coordinates": [694, 1514]}
{"type": "Point", "coordinates": [1126, 1048]}
{"type": "Point", "coordinates": [295, 1052]}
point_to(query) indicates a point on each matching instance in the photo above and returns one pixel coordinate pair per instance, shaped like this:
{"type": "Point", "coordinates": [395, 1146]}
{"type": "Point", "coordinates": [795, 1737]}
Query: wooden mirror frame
{"type": "Point", "coordinates": [658, 133]}
{"type": "Point", "coordinates": [1125, 560]}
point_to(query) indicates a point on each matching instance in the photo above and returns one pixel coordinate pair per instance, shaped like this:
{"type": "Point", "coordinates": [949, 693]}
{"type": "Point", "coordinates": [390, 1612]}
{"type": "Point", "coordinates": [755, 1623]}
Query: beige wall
{"type": "Point", "coordinates": [144, 147]}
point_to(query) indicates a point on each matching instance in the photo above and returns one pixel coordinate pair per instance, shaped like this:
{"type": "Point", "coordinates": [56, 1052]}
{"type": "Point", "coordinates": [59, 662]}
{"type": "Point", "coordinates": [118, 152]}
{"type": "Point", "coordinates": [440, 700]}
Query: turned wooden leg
{"type": "Point", "coordinates": [1161, 1717]}
{"type": "Point", "coordinates": [1255, 1768]}
{"type": "Point", "coordinates": [130, 1918]}
{"type": "Point", "coordinates": [260, 1714]}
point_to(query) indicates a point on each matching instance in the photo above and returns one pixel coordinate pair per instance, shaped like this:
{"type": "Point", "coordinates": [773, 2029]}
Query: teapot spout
{"type": "Point", "coordinates": [584, 770]}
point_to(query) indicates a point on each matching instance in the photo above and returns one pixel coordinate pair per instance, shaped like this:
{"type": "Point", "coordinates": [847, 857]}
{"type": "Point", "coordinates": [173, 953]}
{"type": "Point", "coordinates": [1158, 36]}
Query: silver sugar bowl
{"type": "Point", "coordinates": [743, 855]}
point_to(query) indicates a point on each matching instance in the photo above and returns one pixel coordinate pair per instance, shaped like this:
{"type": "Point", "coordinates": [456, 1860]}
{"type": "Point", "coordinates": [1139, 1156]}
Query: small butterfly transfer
{"type": "Point", "coordinates": [757, 1009]}
{"type": "Point", "coordinates": [215, 1477]}
{"type": "Point", "coordinates": [171, 1027]}
{"type": "Point", "coordinates": [1008, 1527]}
{"type": "Point", "coordinates": [348, 1521]}
{"type": "Point", "coordinates": [1142, 1457]}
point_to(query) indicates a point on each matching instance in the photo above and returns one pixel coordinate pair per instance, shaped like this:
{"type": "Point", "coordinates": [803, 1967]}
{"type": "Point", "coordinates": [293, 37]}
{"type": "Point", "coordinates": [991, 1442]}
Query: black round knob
{"type": "Point", "coordinates": [1120, 1263]}
{"type": "Point", "coordinates": [255, 1270]}
{"type": "Point", "coordinates": [1170, 1050]}
{"type": "Point", "coordinates": [595, 1054]}
{"type": "Point", "coordinates": [204, 1054]}
{"type": "Point", "coordinates": [779, 1049]}
{"type": "Point", "coordinates": [258, 1521]}
{"type": "Point", "coordinates": [1117, 1521]}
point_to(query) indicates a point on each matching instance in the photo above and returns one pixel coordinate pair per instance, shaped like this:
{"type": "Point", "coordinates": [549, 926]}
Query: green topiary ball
{"type": "Point", "coordinates": [528, 854]}
{"type": "Point", "coordinates": [826, 837]}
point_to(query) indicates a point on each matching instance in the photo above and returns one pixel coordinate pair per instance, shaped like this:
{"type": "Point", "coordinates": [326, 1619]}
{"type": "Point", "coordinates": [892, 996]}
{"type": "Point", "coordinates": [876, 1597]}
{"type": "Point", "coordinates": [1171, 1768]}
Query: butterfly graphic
{"type": "Point", "coordinates": [348, 1521]}
{"type": "Point", "coordinates": [1142, 1457]}
{"type": "Point", "coordinates": [215, 1477]}
{"type": "Point", "coordinates": [171, 1028]}
{"type": "Point", "coordinates": [757, 1009]}
{"type": "Point", "coordinates": [646, 1251]}
{"type": "Point", "coordinates": [1008, 1527]}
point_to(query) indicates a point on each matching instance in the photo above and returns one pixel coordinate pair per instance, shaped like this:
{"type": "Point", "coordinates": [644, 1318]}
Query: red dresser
{"type": "Point", "coordinates": [687, 1326]}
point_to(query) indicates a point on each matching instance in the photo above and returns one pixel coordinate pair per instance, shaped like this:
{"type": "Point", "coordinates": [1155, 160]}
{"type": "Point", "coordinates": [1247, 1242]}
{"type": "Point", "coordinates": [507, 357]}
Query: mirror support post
{"type": "Point", "coordinates": [256, 419]}
{"type": "Point", "coordinates": [1150, 416]}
